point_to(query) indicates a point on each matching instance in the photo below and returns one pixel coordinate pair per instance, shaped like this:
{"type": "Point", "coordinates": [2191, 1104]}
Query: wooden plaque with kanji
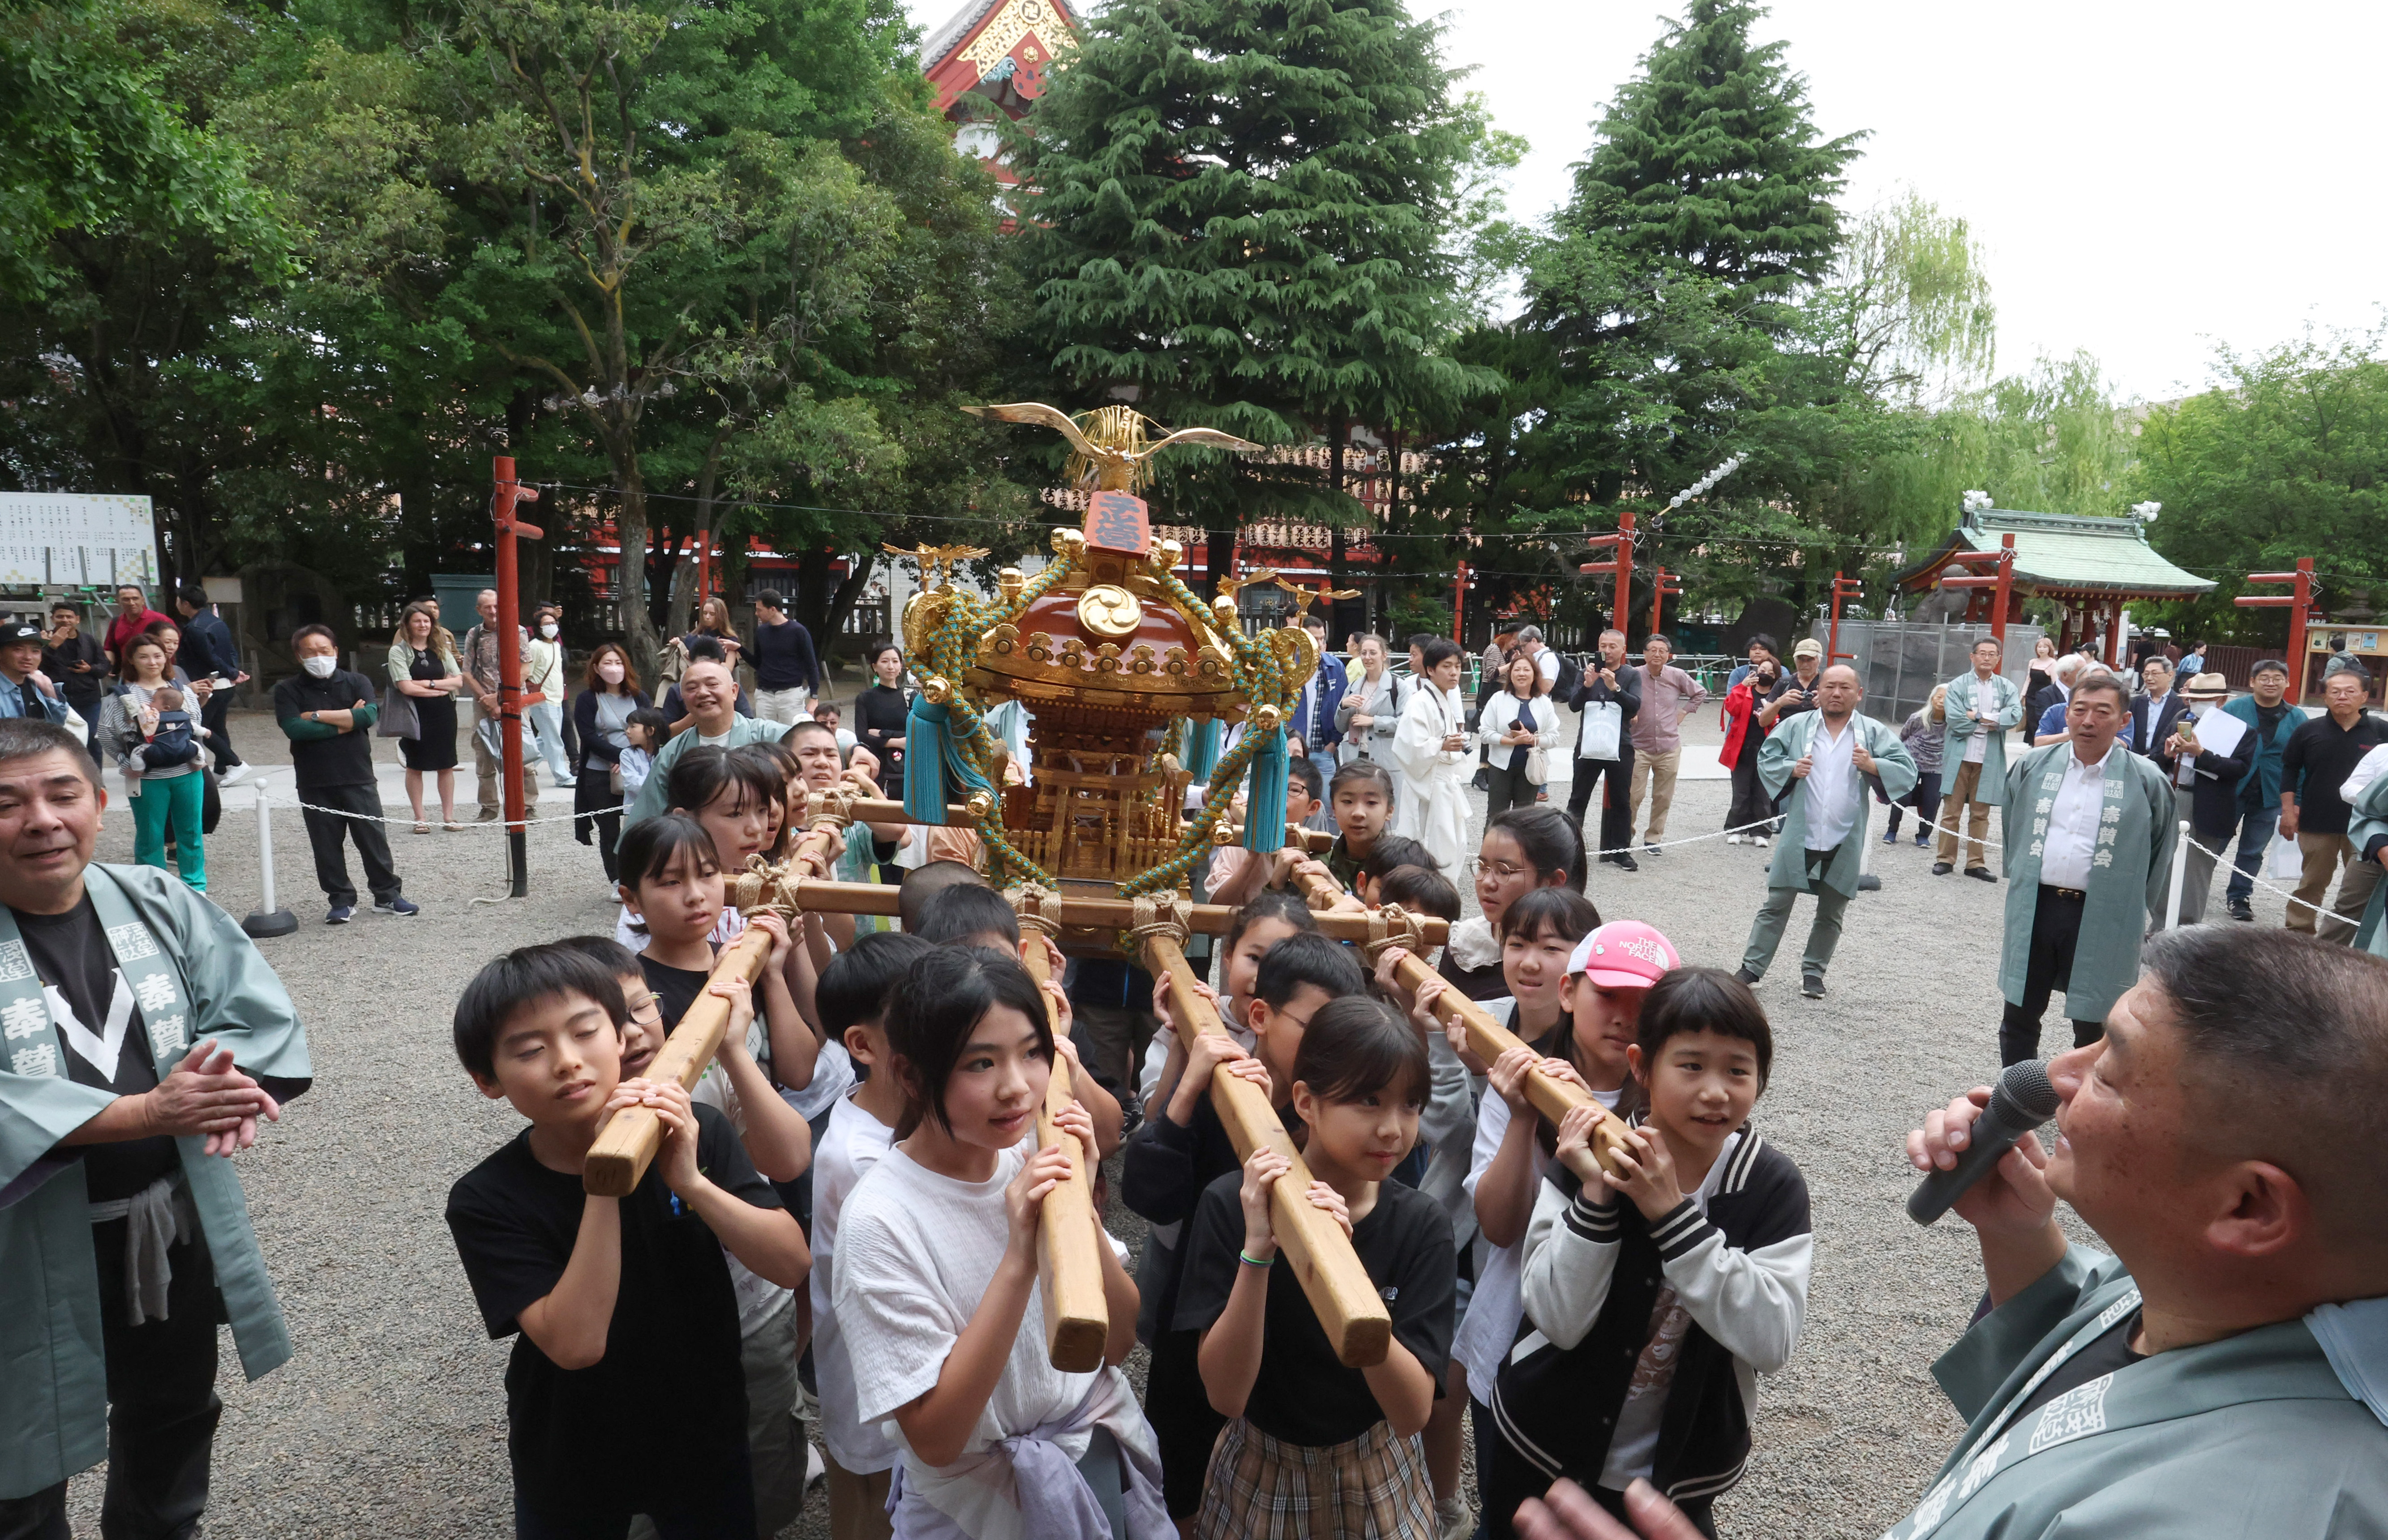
{"type": "Point", "coordinates": [1116, 522]}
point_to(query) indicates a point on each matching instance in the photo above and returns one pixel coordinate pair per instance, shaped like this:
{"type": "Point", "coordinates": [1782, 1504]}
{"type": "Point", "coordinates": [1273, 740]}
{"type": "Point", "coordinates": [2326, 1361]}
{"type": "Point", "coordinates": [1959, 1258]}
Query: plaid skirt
{"type": "Point", "coordinates": [1373, 1487]}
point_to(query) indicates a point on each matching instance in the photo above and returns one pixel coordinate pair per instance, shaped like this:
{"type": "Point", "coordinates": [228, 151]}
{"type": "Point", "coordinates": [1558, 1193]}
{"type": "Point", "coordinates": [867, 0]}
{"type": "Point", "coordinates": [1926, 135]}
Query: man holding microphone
{"type": "Point", "coordinates": [2225, 1372]}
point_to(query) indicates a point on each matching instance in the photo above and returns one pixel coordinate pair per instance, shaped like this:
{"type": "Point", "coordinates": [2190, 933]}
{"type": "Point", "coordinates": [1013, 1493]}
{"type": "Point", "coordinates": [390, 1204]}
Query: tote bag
{"type": "Point", "coordinates": [398, 719]}
{"type": "Point", "coordinates": [1603, 726]}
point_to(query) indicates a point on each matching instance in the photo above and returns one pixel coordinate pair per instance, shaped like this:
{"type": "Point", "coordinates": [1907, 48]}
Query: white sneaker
{"type": "Point", "coordinates": [233, 776]}
{"type": "Point", "coordinates": [1761, 841]}
{"type": "Point", "coordinates": [1733, 839]}
{"type": "Point", "coordinates": [814, 1468]}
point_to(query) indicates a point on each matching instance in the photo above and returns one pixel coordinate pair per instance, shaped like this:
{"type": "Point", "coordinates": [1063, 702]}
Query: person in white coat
{"type": "Point", "coordinates": [1520, 728]}
{"type": "Point", "coordinates": [1430, 749]}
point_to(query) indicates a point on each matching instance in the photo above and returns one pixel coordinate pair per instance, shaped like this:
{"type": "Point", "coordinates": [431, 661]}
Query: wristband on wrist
{"type": "Point", "coordinates": [1252, 1261]}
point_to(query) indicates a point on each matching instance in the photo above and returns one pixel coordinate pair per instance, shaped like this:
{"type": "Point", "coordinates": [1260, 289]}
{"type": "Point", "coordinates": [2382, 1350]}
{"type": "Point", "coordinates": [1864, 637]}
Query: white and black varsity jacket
{"type": "Point", "coordinates": [1592, 1275]}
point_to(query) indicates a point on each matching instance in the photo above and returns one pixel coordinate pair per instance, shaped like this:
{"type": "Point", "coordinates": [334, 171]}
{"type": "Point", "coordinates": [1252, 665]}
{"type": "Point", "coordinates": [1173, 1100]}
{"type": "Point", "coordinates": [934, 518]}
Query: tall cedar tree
{"type": "Point", "coordinates": [1238, 223]}
{"type": "Point", "coordinates": [1705, 208]}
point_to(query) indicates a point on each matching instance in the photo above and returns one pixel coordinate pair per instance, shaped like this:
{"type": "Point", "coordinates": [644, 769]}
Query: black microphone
{"type": "Point", "coordinates": [2021, 1101]}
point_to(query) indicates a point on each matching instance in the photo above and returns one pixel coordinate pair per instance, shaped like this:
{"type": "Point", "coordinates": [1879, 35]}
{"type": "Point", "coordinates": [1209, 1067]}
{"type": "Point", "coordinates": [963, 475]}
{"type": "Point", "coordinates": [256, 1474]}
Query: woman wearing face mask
{"type": "Point", "coordinates": [424, 668]}
{"type": "Point", "coordinates": [544, 676]}
{"type": "Point", "coordinates": [602, 714]}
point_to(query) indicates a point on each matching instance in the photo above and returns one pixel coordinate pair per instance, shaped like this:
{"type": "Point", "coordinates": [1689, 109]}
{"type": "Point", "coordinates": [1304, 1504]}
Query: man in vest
{"type": "Point", "coordinates": [140, 1039]}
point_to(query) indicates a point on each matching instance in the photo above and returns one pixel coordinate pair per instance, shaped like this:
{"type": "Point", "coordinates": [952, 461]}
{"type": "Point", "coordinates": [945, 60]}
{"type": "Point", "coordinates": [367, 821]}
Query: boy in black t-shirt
{"type": "Point", "coordinates": [628, 1326]}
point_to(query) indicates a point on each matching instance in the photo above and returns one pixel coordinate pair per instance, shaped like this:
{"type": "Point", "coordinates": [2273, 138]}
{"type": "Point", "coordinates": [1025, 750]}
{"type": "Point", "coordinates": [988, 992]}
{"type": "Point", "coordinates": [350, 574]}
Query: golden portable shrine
{"type": "Point", "coordinates": [1129, 681]}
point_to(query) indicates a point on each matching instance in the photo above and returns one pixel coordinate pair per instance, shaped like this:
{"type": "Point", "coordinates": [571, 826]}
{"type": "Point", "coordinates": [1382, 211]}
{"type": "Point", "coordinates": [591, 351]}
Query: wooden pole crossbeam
{"type": "Point", "coordinates": [1487, 1038]}
{"type": "Point", "coordinates": [630, 1138]}
{"type": "Point", "coordinates": [2298, 601]}
{"type": "Point", "coordinates": [1069, 1269]}
{"type": "Point", "coordinates": [1314, 1246]}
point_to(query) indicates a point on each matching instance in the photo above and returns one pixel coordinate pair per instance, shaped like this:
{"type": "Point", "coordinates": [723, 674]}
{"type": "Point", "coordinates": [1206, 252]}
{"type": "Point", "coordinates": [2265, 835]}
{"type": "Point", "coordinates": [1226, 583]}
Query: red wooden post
{"type": "Point", "coordinates": [2298, 601]}
{"type": "Point", "coordinates": [1844, 590]}
{"type": "Point", "coordinates": [509, 675]}
{"type": "Point", "coordinates": [1660, 577]}
{"type": "Point", "coordinates": [1620, 566]}
{"type": "Point", "coordinates": [1459, 605]}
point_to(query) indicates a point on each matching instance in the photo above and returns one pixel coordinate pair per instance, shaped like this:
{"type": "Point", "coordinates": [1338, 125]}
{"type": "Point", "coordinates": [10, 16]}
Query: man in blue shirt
{"type": "Point", "coordinates": [207, 652]}
{"type": "Point", "coordinates": [1314, 716]}
{"type": "Point", "coordinates": [25, 691]}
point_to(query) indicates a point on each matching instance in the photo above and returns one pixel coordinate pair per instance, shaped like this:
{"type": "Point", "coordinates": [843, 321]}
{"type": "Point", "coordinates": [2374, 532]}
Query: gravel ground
{"type": "Point", "coordinates": [390, 1419]}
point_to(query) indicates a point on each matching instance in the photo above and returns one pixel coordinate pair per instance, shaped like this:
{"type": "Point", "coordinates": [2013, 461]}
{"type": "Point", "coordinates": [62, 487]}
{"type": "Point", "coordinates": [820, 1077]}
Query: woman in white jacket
{"type": "Point", "coordinates": [1370, 710]}
{"type": "Point", "coordinates": [1520, 728]}
{"type": "Point", "coordinates": [1429, 748]}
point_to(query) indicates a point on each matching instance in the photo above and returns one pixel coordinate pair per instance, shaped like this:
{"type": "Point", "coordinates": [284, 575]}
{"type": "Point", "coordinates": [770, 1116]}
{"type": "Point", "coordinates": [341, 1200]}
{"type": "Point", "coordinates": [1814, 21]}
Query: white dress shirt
{"type": "Point", "coordinates": [1834, 785]}
{"type": "Point", "coordinates": [2072, 838]}
{"type": "Point", "coordinates": [1986, 699]}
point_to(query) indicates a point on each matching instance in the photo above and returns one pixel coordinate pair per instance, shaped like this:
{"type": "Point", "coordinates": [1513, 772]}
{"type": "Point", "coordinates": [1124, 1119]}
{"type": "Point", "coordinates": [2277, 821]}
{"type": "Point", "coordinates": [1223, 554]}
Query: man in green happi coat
{"type": "Point", "coordinates": [1981, 706]}
{"type": "Point", "coordinates": [140, 1039]}
{"type": "Point", "coordinates": [2368, 830]}
{"type": "Point", "coordinates": [1828, 757]}
{"type": "Point", "coordinates": [2225, 1372]}
{"type": "Point", "coordinates": [2088, 835]}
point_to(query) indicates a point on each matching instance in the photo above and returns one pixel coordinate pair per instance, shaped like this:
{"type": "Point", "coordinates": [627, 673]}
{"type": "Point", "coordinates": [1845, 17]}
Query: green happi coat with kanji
{"type": "Point", "coordinates": [2127, 875]}
{"type": "Point", "coordinates": [2257, 1434]}
{"type": "Point", "coordinates": [2371, 820]}
{"type": "Point", "coordinates": [1786, 746]}
{"type": "Point", "coordinates": [1999, 700]}
{"type": "Point", "coordinates": [194, 975]}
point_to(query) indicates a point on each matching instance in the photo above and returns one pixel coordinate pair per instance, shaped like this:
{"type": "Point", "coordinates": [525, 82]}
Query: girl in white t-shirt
{"type": "Point", "coordinates": [936, 1294]}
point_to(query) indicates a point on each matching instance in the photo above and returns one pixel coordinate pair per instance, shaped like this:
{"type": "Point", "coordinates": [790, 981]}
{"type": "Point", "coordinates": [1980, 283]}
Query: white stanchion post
{"type": "Point", "coordinates": [1867, 881]}
{"type": "Point", "coordinates": [2180, 854]}
{"type": "Point", "coordinates": [269, 919]}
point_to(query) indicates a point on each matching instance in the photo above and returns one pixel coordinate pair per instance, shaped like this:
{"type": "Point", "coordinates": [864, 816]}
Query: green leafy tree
{"type": "Point", "coordinates": [2286, 456]}
{"type": "Point", "coordinates": [1241, 221]}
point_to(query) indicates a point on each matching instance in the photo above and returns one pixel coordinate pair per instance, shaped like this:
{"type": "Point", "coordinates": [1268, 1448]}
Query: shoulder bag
{"type": "Point", "coordinates": [398, 717]}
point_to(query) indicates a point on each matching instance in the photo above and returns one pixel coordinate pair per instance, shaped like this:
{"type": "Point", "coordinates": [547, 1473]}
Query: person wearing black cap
{"type": "Point", "coordinates": [25, 691]}
{"type": "Point", "coordinates": [787, 671]}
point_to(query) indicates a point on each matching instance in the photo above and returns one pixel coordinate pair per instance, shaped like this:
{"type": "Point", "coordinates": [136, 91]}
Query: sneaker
{"type": "Point", "coordinates": [488, 816]}
{"type": "Point", "coordinates": [814, 1468]}
{"type": "Point", "coordinates": [1453, 1520]}
{"type": "Point", "coordinates": [1941, 868]}
{"type": "Point", "coordinates": [1652, 850]}
{"type": "Point", "coordinates": [1921, 840]}
{"type": "Point", "coordinates": [1745, 975]}
{"type": "Point", "coordinates": [1627, 864]}
{"type": "Point", "coordinates": [341, 914]}
{"type": "Point", "coordinates": [1735, 838]}
{"type": "Point", "coordinates": [2241, 910]}
{"type": "Point", "coordinates": [1812, 985]}
{"type": "Point", "coordinates": [1761, 841]}
{"type": "Point", "coordinates": [570, 784]}
{"type": "Point", "coordinates": [1982, 872]}
{"type": "Point", "coordinates": [1890, 836]}
{"type": "Point", "coordinates": [397, 903]}
{"type": "Point", "coordinates": [233, 776]}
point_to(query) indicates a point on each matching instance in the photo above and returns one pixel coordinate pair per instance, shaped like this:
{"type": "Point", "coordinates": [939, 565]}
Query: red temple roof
{"type": "Point", "coordinates": [1000, 49]}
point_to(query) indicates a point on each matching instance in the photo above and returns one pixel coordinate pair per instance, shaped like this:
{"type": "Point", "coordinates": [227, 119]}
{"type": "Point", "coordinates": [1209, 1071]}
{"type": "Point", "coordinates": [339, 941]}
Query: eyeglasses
{"type": "Point", "coordinates": [650, 1013]}
{"type": "Point", "coordinates": [1476, 866]}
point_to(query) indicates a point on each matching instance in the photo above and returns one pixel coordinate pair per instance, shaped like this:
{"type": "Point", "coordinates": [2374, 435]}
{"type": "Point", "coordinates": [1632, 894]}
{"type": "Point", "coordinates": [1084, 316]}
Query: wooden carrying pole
{"type": "Point", "coordinates": [630, 1138]}
{"type": "Point", "coordinates": [1069, 1269]}
{"type": "Point", "coordinates": [1487, 1038]}
{"type": "Point", "coordinates": [1349, 1310]}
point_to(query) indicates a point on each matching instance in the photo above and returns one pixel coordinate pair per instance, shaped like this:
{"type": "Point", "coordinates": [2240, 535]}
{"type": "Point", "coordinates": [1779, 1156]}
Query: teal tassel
{"type": "Point", "coordinates": [1265, 799]}
{"type": "Point", "coordinates": [933, 761]}
{"type": "Point", "coordinates": [1201, 755]}
{"type": "Point", "coordinates": [928, 745]}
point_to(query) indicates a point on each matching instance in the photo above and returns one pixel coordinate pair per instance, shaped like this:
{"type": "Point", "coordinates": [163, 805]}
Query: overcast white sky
{"type": "Point", "coordinates": [2148, 179]}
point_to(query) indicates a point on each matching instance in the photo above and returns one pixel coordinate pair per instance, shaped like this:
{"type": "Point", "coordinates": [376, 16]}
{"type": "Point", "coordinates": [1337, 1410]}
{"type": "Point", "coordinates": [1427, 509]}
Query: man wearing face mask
{"type": "Point", "coordinates": [544, 675]}
{"type": "Point", "coordinates": [328, 713]}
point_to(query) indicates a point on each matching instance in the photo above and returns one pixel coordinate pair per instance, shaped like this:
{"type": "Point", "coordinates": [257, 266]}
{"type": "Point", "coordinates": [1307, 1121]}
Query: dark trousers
{"type": "Point", "coordinates": [1750, 803]}
{"type": "Point", "coordinates": [1616, 833]}
{"type": "Point", "coordinates": [161, 1406]}
{"type": "Point", "coordinates": [327, 831]}
{"type": "Point", "coordinates": [1924, 800]}
{"type": "Point", "coordinates": [211, 717]}
{"type": "Point", "coordinates": [597, 808]}
{"type": "Point", "coordinates": [2056, 927]}
{"type": "Point", "coordinates": [1508, 788]}
{"type": "Point", "coordinates": [710, 1507]}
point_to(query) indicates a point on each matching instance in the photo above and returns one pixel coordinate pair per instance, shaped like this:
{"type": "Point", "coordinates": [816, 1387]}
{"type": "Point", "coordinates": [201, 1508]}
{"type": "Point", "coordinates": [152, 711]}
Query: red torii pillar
{"type": "Point", "coordinates": [1660, 577]}
{"type": "Point", "coordinates": [1620, 567]}
{"type": "Point", "coordinates": [2001, 582]}
{"type": "Point", "coordinates": [2298, 601]}
{"type": "Point", "coordinates": [1844, 588]}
